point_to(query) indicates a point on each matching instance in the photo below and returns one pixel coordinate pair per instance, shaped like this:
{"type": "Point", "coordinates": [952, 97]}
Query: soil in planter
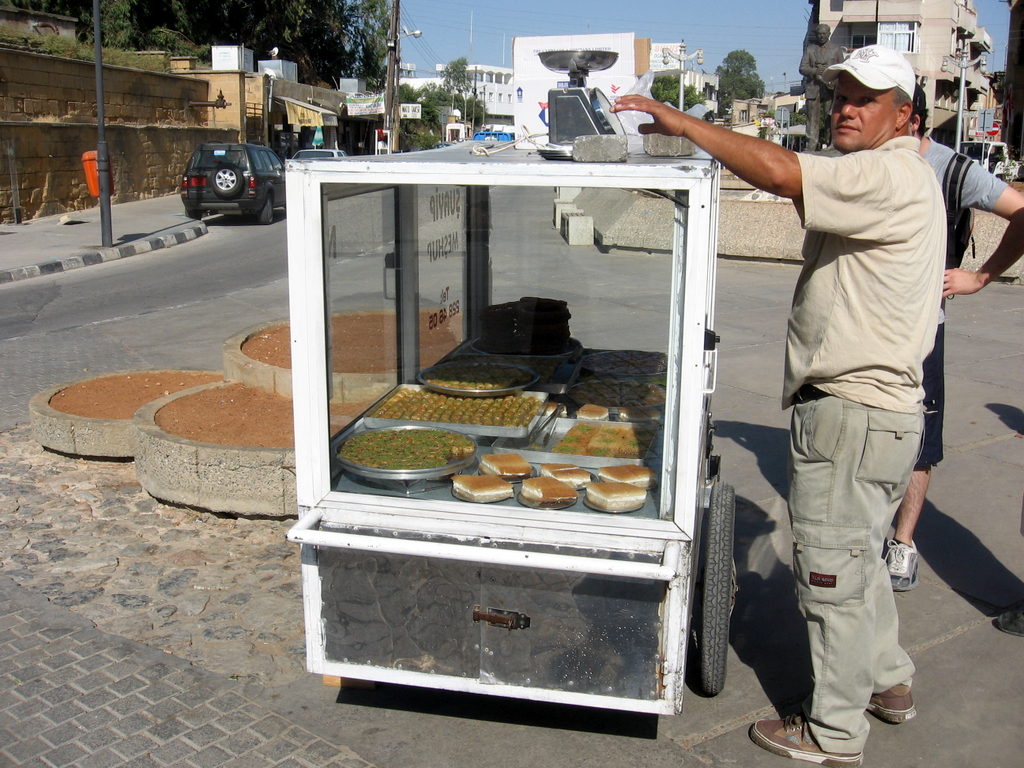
{"type": "Point", "coordinates": [241, 416]}
{"type": "Point", "coordinates": [361, 342]}
{"type": "Point", "coordinates": [119, 397]}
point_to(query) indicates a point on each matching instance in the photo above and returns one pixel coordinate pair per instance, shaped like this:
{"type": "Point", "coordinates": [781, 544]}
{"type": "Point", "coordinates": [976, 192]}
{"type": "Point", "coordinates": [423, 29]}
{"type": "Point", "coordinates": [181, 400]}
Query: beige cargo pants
{"type": "Point", "coordinates": [849, 467]}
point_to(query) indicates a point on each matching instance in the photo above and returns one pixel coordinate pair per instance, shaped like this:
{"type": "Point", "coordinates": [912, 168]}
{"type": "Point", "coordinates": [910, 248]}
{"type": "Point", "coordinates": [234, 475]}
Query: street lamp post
{"type": "Point", "coordinates": [961, 62]}
{"type": "Point", "coordinates": [682, 58]}
{"type": "Point", "coordinates": [102, 153]}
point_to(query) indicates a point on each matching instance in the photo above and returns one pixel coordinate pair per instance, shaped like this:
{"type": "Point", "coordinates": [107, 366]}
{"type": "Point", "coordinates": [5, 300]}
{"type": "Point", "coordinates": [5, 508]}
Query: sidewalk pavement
{"type": "Point", "coordinates": [52, 244]}
{"type": "Point", "coordinates": [73, 694]}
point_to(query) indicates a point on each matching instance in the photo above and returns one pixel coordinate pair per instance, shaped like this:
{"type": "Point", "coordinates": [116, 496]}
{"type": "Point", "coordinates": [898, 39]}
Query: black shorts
{"type": "Point", "coordinates": [934, 401]}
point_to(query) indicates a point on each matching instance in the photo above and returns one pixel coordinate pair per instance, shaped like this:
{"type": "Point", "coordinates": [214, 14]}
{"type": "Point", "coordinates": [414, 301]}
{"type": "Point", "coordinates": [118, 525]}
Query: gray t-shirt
{"type": "Point", "coordinates": [981, 188]}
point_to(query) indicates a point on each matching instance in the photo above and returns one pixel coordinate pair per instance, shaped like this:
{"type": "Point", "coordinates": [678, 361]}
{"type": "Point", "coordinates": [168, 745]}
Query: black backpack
{"type": "Point", "coordinates": [959, 220]}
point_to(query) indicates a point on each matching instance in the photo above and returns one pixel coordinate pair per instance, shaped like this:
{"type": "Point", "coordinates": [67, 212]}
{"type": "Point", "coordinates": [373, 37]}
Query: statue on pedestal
{"type": "Point", "coordinates": [817, 58]}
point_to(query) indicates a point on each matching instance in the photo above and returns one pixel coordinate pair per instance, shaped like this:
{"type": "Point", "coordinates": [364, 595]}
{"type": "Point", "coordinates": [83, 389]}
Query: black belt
{"type": "Point", "coordinates": [808, 392]}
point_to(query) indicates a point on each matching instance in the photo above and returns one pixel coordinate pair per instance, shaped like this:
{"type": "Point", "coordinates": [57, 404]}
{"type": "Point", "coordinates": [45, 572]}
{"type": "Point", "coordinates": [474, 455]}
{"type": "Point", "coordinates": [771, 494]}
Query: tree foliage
{"type": "Point", "coordinates": [326, 39]}
{"type": "Point", "coordinates": [737, 79]}
{"type": "Point", "coordinates": [457, 79]}
{"type": "Point", "coordinates": [666, 89]}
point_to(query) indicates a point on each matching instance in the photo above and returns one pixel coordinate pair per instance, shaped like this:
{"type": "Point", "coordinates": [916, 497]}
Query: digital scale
{"type": "Point", "coordinates": [577, 110]}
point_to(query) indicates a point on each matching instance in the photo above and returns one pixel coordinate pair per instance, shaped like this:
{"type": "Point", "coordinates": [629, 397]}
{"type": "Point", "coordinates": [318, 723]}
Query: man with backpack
{"type": "Point", "coordinates": [965, 186]}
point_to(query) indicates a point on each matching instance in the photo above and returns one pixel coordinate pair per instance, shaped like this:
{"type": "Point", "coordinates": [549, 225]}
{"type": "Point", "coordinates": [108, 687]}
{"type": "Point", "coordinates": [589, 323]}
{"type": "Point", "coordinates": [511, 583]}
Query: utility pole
{"type": "Point", "coordinates": [391, 87]}
{"type": "Point", "coordinates": [102, 154]}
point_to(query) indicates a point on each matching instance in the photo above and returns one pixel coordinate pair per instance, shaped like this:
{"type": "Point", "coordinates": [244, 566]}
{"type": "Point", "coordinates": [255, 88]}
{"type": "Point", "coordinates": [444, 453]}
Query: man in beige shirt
{"type": "Point", "coordinates": [863, 318]}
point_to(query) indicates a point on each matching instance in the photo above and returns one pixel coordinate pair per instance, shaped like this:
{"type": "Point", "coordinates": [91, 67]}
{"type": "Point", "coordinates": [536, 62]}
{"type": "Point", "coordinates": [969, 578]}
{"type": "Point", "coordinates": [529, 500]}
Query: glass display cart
{"type": "Point", "coordinates": [454, 316]}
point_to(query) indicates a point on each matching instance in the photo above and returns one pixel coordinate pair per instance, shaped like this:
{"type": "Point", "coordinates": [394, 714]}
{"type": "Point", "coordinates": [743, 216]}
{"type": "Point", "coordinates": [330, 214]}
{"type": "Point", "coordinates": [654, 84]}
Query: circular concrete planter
{"type": "Point", "coordinates": [220, 478]}
{"type": "Point", "coordinates": [348, 387]}
{"type": "Point", "coordinates": [83, 435]}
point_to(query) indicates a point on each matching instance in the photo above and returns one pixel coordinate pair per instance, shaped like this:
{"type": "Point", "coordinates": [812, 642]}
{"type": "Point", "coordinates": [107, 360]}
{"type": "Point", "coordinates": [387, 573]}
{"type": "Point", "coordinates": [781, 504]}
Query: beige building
{"type": "Point", "coordinates": [1013, 82]}
{"type": "Point", "coordinates": [933, 34]}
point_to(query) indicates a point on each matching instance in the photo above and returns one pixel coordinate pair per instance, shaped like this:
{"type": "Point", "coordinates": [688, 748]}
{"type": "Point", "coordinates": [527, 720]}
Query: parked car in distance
{"type": "Point", "coordinates": [997, 158]}
{"type": "Point", "coordinates": [319, 154]}
{"type": "Point", "coordinates": [493, 136]}
{"type": "Point", "coordinates": [233, 178]}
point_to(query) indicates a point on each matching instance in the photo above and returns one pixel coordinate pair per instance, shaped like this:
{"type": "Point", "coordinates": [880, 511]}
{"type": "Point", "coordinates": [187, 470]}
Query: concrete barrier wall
{"type": "Point", "coordinates": [764, 227]}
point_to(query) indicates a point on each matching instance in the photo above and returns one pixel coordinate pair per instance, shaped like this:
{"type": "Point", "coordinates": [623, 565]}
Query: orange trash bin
{"type": "Point", "coordinates": [92, 173]}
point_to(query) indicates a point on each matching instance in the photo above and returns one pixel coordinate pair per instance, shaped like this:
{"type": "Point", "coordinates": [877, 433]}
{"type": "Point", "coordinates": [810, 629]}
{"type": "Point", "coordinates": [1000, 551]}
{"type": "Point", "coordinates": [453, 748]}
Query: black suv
{"type": "Point", "coordinates": [233, 178]}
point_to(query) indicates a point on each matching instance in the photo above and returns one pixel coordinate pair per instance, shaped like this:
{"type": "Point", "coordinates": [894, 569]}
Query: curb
{"type": "Point", "coordinates": [155, 242]}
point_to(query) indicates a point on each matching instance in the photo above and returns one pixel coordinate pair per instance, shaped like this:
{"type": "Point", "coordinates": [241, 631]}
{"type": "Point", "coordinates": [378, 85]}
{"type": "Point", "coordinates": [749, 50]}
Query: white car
{"type": "Point", "coordinates": [319, 154]}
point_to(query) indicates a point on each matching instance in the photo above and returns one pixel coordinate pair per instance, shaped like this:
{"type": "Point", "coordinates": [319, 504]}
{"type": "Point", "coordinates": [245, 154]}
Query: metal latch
{"type": "Point", "coordinates": [506, 619]}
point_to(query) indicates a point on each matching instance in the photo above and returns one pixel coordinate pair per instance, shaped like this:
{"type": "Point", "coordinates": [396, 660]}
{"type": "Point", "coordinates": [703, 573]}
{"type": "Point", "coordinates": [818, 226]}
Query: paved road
{"type": "Point", "coordinates": [166, 308]}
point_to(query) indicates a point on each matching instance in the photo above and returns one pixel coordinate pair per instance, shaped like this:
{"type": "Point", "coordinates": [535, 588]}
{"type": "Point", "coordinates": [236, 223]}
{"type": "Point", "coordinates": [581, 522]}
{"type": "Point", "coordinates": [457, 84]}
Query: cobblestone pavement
{"type": "Point", "coordinates": [71, 695]}
{"type": "Point", "coordinates": [221, 592]}
{"type": "Point", "coordinates": [107, 596]}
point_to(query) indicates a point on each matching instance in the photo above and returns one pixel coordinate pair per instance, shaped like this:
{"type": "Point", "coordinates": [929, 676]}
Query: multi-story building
{"type": "Point", "coordinates": [934, 35]}
{"type": "Point", "coordinates": [492, 86]}
{"type": "Point", "coordinates": [1013, 82]}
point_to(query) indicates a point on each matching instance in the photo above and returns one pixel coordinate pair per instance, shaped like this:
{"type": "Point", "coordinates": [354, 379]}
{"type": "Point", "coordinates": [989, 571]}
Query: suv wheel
{"type": "Point", "coordinates": [266, 214]}
{"type": "Point", "coordinates": [227, 181]}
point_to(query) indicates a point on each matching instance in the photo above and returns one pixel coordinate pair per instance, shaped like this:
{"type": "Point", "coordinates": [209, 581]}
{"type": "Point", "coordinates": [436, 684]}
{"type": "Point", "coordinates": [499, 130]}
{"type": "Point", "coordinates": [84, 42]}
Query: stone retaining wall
{"type": "Point", "coordinates": [147, 161]}
{"type": "Point", "coordinates": [48, 118]}
{"type": "Point", "coordinates": [762, 226]}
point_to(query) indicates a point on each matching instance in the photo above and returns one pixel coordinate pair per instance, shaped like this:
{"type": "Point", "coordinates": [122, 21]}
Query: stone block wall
{"type": "Point", "coordinates": [48, 120]}
{"type": "Point", "coordinates": [147, 161]}
{"type": "Point", "coordinates": [38, 87]}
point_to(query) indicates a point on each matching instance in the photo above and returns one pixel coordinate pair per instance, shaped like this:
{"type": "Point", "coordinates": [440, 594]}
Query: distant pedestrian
{"type": "Point", "coordinates": [965, 186]}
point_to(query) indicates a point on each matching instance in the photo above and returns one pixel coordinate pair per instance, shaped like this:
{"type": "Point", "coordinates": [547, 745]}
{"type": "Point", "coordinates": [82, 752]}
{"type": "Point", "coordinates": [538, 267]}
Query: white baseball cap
{"type": "Point", "coordinates": [876, 67]}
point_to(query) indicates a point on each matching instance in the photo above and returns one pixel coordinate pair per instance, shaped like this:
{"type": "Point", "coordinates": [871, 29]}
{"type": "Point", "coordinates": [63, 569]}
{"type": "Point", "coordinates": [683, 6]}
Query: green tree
{"type": "Point", "coordinates": [666, 89]}
{"type": "Point", "coordinates": [457, 78]}
{"type": "Point", "coordinates": [326, 39]}
{"type": "Point", "coordinates": [737, 79]}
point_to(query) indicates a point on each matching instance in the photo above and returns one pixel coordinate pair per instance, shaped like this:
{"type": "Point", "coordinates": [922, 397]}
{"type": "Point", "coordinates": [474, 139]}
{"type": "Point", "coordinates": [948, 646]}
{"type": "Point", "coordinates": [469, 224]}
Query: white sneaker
{"type": "Point", "coordinates": [901, 560]}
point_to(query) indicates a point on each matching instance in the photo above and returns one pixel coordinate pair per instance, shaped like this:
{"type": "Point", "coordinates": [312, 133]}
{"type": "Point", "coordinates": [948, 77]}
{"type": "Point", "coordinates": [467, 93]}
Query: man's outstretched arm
{"type": "Point", "coordinates": [765, 165]}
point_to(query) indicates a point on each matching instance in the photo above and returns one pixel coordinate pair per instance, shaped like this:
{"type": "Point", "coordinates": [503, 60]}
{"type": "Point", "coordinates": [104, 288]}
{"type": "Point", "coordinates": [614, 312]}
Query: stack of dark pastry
{"type": "Point", "coordinates": [530, 326]}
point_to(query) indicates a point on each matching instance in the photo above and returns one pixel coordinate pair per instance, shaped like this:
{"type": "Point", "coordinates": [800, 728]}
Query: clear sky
{"type": "Point", "coordinates": [771, 30]}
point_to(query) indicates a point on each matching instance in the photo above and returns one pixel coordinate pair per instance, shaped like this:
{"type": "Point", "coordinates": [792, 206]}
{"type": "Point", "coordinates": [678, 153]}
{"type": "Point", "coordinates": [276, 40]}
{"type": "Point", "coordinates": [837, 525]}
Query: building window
{"type": "Point", "coordinates": [862, 34]}
{"type": "Point", "coordinates": [899, 35]}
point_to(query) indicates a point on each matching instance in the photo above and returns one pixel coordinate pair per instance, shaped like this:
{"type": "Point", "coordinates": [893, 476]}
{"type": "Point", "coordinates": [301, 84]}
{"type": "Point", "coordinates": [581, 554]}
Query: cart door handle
{"type": "Point", "coordinates": [505, 619]}
{"type": "Point", "coordinates": [713, 370]}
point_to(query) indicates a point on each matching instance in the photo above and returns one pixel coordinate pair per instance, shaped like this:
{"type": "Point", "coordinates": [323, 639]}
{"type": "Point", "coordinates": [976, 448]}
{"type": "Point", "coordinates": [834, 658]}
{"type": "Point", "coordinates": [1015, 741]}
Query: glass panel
{"type": "Point", "coordinates": [574, 285]}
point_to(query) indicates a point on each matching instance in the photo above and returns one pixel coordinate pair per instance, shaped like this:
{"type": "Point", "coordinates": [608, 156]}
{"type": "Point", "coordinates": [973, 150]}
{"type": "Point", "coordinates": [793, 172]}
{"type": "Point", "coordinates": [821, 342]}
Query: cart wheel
{"type": "Point", "coordinates": [717, 588]}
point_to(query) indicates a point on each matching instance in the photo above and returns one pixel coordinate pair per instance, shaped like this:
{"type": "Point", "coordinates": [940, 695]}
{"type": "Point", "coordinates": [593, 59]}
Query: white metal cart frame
{"type": "Point", "coordinates": [659, 551]}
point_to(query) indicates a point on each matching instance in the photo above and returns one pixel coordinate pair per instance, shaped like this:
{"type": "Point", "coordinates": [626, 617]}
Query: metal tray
{"type": "Point", "coordinates": [543, 454]}
{"type": "Point", "coordinates": [528, 376]}
{"type": "Point", "coordinates": [573, 350]}
{"type": "Point", "coordinates": [483, 430]}
{"type": "Point", "coordinates": [598, 364]}
{"type": "Point", "coordinates": [564, 376]}
{"type": "Point", "coordinates": [378, 473]}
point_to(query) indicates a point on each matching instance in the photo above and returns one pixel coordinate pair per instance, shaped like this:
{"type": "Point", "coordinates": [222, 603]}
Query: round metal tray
{"type": "Point", "coordinates": [603, 364]}
{"type": "Point", "coordinates": [530, 378]}
{"type": "Point", "coordinates": [429, 473]}
{"type": "Point", "coordinates": [573, 347]}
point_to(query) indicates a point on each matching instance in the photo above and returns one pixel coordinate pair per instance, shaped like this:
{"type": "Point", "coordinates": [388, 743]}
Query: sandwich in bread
{"type": "Point", "coordinates": [570, 474]}
{"type": "Point", "coordinates": [615, 497]}
{"type": "Point", "coordinates": [511, 466]}
{"type": "Point", "coordinates": [481, 488]}
{"type": "Point", "coordinates": [641, 477]}
{"type": "Point", "coordinates": [546, 492]}
{"type": "Point", "coordinates": [590, 412]}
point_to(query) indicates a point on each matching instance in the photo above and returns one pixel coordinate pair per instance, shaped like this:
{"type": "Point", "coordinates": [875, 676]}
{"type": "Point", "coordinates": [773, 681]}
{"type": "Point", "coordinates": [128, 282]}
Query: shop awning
{"type": "Point", "coordinates": [303, 114]}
